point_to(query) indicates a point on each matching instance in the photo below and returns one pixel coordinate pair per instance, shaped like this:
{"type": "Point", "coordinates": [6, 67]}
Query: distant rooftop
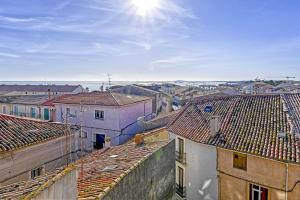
{"type": "Point", "coordinates": [249, 123]}
{"type": "Point", "coordinates": [38, 88]}
{"type": "Point", "coordinates": [16, 132]}
{"type": "Point", "coordinates": [102, 98]}
{"type": "Point", "coordinates": [25, 99]}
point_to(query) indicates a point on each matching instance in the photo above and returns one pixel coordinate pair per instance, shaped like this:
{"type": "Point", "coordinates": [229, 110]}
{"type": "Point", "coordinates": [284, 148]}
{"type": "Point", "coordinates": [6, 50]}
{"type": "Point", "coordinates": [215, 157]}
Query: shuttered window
{"type": "Point", "coordinates": [240, 161]}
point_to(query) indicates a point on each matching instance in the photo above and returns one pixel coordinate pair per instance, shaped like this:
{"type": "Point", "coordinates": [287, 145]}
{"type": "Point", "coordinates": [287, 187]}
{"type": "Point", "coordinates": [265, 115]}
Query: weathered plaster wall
{"type": "Point", "coordinates": [153, 179]}
{"type": "Point", "coordinates": [265, 172]}
{"type": "Point", "coordinates": [16, 166]}
{"type": "Point", "coordinates": [64, 188]}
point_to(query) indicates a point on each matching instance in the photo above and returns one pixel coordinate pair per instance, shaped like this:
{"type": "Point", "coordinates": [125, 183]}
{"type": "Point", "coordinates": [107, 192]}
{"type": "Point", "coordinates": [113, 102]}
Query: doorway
{"type": "Point", "coordinates": [100, 140]}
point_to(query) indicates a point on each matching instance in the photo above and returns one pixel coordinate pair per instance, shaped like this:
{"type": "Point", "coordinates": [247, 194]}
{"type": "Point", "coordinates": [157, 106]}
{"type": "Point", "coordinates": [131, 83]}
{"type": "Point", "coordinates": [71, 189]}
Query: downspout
{"type": "Point", "coordinates": [286, 180]}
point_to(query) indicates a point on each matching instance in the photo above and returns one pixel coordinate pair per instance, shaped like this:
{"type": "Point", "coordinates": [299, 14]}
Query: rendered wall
{"type": "Point", "coordinates": [153, 179]}
{"type": "Point", "coordinates": [15, 166]}
{"type": "Point", "coordinates": [268, 173]}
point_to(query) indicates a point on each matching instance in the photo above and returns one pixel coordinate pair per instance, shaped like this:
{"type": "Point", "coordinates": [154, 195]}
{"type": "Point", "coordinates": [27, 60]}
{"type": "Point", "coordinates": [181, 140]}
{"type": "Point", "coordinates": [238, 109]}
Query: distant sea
{"type": "Point", "coordinates": [95, 85]}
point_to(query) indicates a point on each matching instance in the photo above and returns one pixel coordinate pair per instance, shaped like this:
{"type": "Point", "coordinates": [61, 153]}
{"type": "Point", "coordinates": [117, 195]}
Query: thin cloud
{"type": "Point", "coordinates": [177, 61]}
{"type": "Point", "coordinates": [144, 45]}
{"type": "Point", "coordinates": [9, 55]}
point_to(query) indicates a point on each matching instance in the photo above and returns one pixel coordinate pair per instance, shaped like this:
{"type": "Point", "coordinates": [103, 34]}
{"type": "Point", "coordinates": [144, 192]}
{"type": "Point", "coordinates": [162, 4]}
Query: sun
{"type": "Point", "coordinates": [145, 7]}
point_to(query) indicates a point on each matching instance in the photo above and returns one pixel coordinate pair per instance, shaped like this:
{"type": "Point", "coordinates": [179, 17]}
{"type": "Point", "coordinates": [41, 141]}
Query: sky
{"type": "Point", "coordinates": [83, 40]}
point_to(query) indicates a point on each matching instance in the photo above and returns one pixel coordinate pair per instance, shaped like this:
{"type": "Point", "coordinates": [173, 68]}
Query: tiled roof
{"type": "Point", "coordinates": [24, 188]}
{"type": "Point", "coordinates": [18, 132]}
{"type": "Point", "coordinates": [249, 124]}
{"type": "Point", "coordinates": [105, 168]}
{"type": "Point", "coordinates": [102, 169]}
{"type": "Point", "coordinates": [39, 88]}
{"type": "Point", "coordinates": [25, 99]}
{"type": "Point", "coordinates": [102, 98]}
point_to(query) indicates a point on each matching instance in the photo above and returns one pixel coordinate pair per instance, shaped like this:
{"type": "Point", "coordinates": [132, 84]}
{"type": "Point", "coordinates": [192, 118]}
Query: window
{"type": "Point", "coordinates": [180, 190]}
{"type": "Point", "coordinates": [240, 161]}
{"type": "Point", "coordinates": [83, 134]}
{"type": "Point", "coordinates": [32, 112]}
{"type": "Point", "coordinates": [180, 177]}
{"type": "Point", "coordinates": [68, 111]}
{"type": "Point", "coordinates": [258, 192]}
{"type": "Point", "coordinates": [99, 114]}
{"type": "Point", "coordinates": [16, 112]}
{"type": "Point", "coordinates": [36, 172]}
{"type": "Point", "coordinates": [180, 146]}
{"type": "Point", "coordinates": [4, 109]}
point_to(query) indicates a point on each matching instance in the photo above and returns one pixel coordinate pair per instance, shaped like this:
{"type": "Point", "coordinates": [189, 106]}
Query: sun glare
{"type": "Point", "coordinates": [145, 7]}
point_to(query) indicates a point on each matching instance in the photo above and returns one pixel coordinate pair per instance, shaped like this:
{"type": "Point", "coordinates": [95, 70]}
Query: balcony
{"type": "Point", "coordinates": [181, 191]}
{"type": "Point", "coordinates": [181, 157]}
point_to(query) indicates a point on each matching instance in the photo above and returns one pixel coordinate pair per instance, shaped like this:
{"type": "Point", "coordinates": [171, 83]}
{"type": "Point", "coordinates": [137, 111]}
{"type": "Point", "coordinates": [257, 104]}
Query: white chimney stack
{"type": "Point", "coordinates": [107, 142]}
{"type": "Point", "coordinates": [214, 125]}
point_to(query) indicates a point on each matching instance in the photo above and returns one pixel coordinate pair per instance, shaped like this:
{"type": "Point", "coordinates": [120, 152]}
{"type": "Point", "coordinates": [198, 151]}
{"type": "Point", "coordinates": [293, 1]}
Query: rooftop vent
{"type": "Point", "coordinates": [139, 139]}
{"type": "Point", "coordinates": [109, 168]}
{"type": "Point", "coordinates": [208, 109]}
{"type": "Point", "coordinates": [281, 134]}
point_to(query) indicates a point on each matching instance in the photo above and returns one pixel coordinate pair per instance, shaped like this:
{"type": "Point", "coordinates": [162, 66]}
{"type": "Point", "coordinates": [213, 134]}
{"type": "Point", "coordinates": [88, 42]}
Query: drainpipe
{"type": "Point", "coordinates": [286, 180]}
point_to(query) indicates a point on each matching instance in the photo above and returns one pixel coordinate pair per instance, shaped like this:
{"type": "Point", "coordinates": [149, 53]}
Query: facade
{"type": "Point", "coordinates": [29, 148]}
{"type": "Point", "coordinates": [238, 147]}
{"type": "Point", "coordinates": [10, 90]}
{"type": "Point", "coordinates": [30, 106]}
{"type": "Point", "coordinates": [143, 168]}
{"type": "Point", "coordinates": [104, 115]}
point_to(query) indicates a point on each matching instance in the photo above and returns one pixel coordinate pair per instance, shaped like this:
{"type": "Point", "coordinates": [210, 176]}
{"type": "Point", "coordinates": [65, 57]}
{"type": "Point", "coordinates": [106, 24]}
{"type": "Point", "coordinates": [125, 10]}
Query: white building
{"type": "Point", "coordinates": [104, 115]}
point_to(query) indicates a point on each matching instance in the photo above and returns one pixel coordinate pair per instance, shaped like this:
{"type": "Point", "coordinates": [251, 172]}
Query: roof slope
{"type": "Point", "coordinates": [39, 88]}
{"type": "Point", "coordinates": [101, 98]}
{"type": "Point", "coordinates": [17, 132]}
{"type": "Point", "coordinates": [105, 168]}
{"type": "Point", "coordinates": [248, 124]}
{"type": "Point", "coordinates": [25, 99]}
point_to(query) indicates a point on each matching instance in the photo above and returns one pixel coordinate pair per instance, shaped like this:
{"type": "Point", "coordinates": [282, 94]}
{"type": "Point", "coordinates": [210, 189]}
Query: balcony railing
{"type": "Point", "coordinates": [181, 157]}
{"type": "Point", "coordinates": [181, 191]}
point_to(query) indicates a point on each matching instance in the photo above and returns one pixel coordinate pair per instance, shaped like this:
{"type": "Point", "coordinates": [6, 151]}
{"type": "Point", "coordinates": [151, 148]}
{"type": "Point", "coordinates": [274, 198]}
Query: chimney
{"type": "Point", "coordinates": [139, 139]}
{"type": "Point", "coordinates": [107, 142]}
{"type": "Point", "coordinates": [49, 93]}
{"type": "Point", "coordinates": [214, 125]}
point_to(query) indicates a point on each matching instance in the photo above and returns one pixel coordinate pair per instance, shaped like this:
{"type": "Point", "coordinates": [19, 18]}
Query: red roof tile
{"type": "Point", "coordinates": [101, 98]}
{"type": "Point", "coordinates": [248, 124]}
{"type": "Point", "coordinates": [18, 132]}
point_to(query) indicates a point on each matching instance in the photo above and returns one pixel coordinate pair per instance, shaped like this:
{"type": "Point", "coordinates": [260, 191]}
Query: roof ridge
{"type": "Point", "coordinates": [178, 114]}
{"type": "Point", "coordinates": [112, 94]}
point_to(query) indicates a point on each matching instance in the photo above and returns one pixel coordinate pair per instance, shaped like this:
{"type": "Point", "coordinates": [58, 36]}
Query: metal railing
{"type": "Point", "coordinates": [181, 191]}
{"type": "Point", "coordinates": [181, 157]}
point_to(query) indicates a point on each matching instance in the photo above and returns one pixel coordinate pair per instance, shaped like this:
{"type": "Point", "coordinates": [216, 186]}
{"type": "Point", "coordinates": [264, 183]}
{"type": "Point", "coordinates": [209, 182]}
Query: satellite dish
{"type": "Point", "coordinates": [208, 109]}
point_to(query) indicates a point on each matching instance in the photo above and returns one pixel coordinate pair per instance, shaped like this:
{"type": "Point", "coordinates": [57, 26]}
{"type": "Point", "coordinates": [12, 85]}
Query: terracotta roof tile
{"type": "Point", "coordinates": [101, 98]}
{"type": "Point", "coordinates": [248, 124]}
{"type": "Point", "coordinates": [16, 132]}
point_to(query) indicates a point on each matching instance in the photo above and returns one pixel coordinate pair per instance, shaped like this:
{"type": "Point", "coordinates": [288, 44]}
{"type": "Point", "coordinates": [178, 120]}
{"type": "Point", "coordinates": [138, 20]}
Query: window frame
{"type": "Point", "coordinates": [241, 158]}
{"type": "Point", "coordinates": [180, 177]}
{"type": "Point", "coordinates": [259, 190]}
{"type": "Point", "coordinates": [180, 145]}
{"type": "Point", "coordinates": [36, 172]}
{"type": "Point", "coordinates": [101, 115]}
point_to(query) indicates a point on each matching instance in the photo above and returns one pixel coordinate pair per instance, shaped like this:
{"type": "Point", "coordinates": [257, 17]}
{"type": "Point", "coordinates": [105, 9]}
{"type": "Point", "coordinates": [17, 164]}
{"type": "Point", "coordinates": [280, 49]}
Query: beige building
{"type": "Point", "coordinates": [29, 148]}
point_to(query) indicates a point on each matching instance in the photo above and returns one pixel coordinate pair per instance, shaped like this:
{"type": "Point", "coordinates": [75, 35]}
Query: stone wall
{"type": "Point", "coordinates": [152, 179]}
